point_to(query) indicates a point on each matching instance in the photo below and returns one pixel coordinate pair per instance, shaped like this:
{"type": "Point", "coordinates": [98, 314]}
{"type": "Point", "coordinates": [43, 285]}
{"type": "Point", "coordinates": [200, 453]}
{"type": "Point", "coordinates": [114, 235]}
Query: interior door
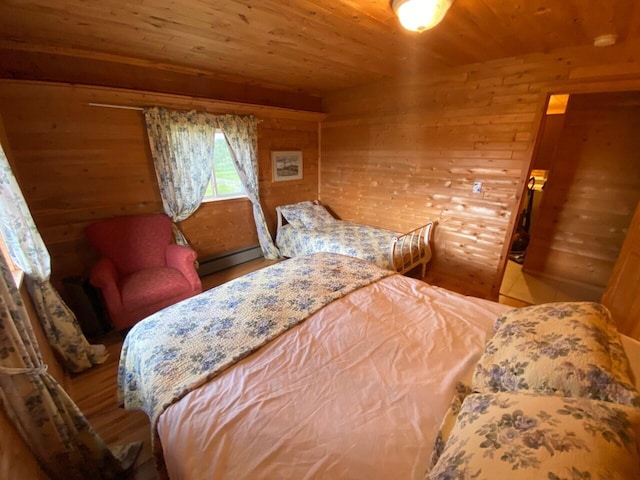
{"type": "Point", "coordinates": [622, 296]}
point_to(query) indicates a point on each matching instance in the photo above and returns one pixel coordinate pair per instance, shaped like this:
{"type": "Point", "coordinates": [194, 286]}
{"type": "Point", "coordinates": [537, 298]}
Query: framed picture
{"type": "Point", "coordinates": [286, 165]}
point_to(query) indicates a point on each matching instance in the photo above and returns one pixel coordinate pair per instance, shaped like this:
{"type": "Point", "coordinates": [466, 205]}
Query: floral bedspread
{"type": "Point", "coordinates": [369, 243]}
{"type": "Point", "coordinates": [174, 351]}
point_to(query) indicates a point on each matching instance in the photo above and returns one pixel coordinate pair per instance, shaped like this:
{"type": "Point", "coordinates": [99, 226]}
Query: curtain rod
{"type": "Point", "coordinates": [107, 105]}
{"type": "Point", "coordinates": [123, 107]}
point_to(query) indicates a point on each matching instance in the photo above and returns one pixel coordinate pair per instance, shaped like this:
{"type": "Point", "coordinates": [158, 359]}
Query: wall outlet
{"type": "Point", "coordinates": [477, 187]}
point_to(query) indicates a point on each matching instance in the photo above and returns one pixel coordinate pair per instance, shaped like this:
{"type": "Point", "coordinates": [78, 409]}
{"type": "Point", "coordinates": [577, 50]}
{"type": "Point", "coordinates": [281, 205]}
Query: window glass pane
{"type": "Point", "coordinates": [225, 182]}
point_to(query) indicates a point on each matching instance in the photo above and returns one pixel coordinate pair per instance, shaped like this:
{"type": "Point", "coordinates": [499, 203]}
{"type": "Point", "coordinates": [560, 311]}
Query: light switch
{"type": "Point", "coordinates": [477, 187]}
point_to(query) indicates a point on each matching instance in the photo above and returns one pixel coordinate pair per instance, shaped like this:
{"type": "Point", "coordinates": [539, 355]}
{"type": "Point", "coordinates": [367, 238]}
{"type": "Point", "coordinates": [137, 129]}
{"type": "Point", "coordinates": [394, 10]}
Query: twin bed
{"type": "Point", "coordinates": [307, 227]}
{"type": "Point", "coordinates": [326, 366]}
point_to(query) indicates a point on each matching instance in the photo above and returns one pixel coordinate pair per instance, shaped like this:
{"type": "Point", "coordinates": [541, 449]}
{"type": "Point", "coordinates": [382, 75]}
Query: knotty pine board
{"type": "Point", "coordinates": [402, 151]}
{"type": "Point", "coordinates": [77, 164]}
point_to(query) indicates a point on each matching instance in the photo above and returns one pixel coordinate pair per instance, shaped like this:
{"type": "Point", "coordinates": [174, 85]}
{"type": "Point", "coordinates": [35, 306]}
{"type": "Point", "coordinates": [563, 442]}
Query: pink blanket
{"type": "Point", "coordinates": [356, 391]}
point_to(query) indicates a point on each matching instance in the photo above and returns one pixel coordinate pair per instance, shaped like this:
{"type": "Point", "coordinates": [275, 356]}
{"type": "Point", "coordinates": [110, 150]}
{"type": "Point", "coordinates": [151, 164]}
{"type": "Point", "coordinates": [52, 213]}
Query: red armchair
{"type": "Point", "coordinates": [140, 271]}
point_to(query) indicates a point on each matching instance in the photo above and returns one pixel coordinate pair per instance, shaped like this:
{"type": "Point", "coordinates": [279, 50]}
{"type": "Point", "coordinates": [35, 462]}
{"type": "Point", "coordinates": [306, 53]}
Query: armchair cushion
{"type": "Point", "coordinates": [152, 285]}
{"type": "Point", "coordinates": [140, 271]}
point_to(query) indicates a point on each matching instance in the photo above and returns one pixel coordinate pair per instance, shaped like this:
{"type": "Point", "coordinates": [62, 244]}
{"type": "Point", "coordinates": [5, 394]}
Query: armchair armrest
{"type": "Point", "coordinates": [183, 259]}
{"type": "Point", "coordinates": [105, 277]}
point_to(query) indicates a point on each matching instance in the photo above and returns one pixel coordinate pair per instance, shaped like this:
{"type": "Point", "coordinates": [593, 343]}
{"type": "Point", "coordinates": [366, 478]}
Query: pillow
{"type": "Point", "coordinates": [571, 349]}
{"type": "Point", "coordinates": [292, 212]}
{"type": "Point", "coordinates": [507, 435]}
{"type": "Point", "coordinates": [448, 421]}
{"type": "Point", "coordinates": [315, 217]}
{"type": "Point", "coordinates": [306, 215]}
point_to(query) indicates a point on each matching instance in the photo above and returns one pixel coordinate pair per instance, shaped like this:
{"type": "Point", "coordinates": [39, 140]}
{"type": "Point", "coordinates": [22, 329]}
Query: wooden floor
{"type": "Point", "coordinates": [94, 391]}
{"type": "Point", "coordinates": [531, 289]}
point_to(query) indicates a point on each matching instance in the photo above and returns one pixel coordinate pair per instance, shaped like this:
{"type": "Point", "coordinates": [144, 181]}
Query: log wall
{"type": "Point", "coordinates": [403, 151]}
{"type": "Point", "coordinates": [77, 163]}
{"type": "Point", "coordinates": [592, 190]}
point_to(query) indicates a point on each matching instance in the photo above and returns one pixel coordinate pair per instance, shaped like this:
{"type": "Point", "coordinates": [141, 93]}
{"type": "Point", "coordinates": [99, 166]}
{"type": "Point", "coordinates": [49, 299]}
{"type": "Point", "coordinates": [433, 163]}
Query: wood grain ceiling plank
{"type": "Point", "coordinates": [480, 29]}
{"type": "Point", "coordinates": [309, 45]}
{"type": "Point", "coordinates": [603, 18]}
{"type": "Point", "coordinates": [296, 28]}
{"type": "Point", "coordinates": [330, 32]}
{"type": "Point", "coordinates": [177, 31]}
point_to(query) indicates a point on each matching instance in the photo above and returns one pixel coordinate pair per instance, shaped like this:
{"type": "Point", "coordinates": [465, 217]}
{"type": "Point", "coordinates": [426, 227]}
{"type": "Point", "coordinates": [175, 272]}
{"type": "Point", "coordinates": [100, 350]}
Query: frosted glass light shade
{"type": "Point", "coordinates": [420, 15]}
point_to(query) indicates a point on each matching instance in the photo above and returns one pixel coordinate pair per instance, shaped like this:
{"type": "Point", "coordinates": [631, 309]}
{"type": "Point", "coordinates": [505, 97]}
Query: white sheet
{"type": "Point", "coordinates": [356, 391]}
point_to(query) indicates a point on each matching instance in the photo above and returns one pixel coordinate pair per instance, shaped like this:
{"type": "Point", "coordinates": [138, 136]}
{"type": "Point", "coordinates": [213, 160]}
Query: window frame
{"type": "Point", "coordinates": [216, 197]}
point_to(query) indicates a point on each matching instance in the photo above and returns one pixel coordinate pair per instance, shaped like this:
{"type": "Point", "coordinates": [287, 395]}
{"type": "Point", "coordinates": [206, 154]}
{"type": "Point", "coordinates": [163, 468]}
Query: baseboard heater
{"type": "Point", "coordinates": [228, 260]}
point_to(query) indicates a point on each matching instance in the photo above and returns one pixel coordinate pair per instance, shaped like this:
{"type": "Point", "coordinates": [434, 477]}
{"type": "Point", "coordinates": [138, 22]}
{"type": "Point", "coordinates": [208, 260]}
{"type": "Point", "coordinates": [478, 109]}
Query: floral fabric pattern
{"type": "Point", "coordinates": [182, 146]}
{"type": "Point", "coordinates": [448, 422]}
{"type": "Point", "coordinates": [182, 149]}
{"type": "Point", "coordinates": [571, 349]}
{"type": "Point", "coordinates": [50, 423]}
{"type": "Point", "coordinates": [346, 238]}
{"type": "Point", "coordinates": [176, 350]}
{"type": "Point", "coordinates": [28, 251]}
{"type": "Point", "coordinates": [241, 134]}
{"type": "Point", "coordinates": [517, 435]}
{"type": "Point", "coordinates": [291, 213]}
{"type": "Point", "coordinates": [306, 215]}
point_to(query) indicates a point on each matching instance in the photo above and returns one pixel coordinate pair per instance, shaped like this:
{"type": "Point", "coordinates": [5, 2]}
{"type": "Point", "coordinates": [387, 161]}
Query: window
{"type": "Point", "coordinates": [225, 182]}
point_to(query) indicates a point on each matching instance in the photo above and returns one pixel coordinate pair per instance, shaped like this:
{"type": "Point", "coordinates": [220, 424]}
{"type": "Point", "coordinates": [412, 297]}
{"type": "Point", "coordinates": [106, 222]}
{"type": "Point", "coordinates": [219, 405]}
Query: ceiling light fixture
{"type": "Point", "coordinates": [420, 15]}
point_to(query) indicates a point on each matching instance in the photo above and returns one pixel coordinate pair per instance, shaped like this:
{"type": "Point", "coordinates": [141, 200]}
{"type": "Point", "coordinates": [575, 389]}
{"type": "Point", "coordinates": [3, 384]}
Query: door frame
{"type": "Point", "coordinates": [572, 88]}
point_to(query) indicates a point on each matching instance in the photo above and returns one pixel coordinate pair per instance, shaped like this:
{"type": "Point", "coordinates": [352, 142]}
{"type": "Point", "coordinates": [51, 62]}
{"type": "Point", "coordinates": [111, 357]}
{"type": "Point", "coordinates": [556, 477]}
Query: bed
{"type": "Point", "coordinates": [307, 227]}
{"type": "Point", "coordinates": [320, 366]}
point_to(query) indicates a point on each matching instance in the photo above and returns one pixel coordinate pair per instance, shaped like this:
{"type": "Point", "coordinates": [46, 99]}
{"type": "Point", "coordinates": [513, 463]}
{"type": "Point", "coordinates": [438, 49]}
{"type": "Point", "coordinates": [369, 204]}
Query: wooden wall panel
{"type": "Point", "coordinates": [110, 70]}
{"type": "Point", "coordinates": [621, 295]}
{"type": "Point", "coordinates": [77, 163]}
{"type": "Point", "coordinates": [592, 191]}
{"type": "Point", "coordinates": [399, 152]}
{"type": "Point", "coordinates": [16, 458]}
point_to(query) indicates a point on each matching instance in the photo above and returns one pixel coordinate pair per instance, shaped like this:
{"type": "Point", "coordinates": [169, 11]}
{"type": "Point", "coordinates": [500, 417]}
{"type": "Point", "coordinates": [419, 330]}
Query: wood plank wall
{"type": "Point", "coordinates": [400, 152]}
{"type": "Point", "coordinates": [77, 163]}
{"type": "Point", "coordinates": [592, 191]}
{"type": "Point", "coordinates": [16, 459]}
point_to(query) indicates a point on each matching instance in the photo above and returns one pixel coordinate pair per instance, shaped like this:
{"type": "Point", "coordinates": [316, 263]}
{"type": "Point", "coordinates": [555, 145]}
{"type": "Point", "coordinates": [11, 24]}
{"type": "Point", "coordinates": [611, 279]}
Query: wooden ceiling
{"type": "Point", "coordinates": [307, 46]}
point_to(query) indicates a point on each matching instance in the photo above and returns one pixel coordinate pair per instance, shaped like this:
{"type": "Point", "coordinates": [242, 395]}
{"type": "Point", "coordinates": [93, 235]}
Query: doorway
{"type": "Point", "coordinates": [584, 210]}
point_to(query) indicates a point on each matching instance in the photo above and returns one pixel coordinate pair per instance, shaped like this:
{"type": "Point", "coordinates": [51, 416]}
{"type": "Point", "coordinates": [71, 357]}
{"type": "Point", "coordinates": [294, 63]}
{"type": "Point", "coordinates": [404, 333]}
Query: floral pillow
{"type": "Point", "coordinates": [571, 349]}
{"type": "Point", "coordinates": [292, 212]}
{"type": "Point", "coordinates": [306, 215]}
{"type": "Point", "coordinates": [448, 421]}
{"type": "Point", "coordinates": [315, 217]}
{"type": "Point", "coordinates": [517, 435]}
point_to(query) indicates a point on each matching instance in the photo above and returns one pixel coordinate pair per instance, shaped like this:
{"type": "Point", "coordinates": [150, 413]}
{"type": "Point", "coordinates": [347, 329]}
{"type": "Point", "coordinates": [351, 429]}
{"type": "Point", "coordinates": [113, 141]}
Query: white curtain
{"type": "Point", "coordinates": [182, 149]}
{"type": "Point", "coordinates": [241, 134]}
{"type": "Point", "coordinates": [28, 251]}
{"type": "Point", "coordinates": [49, 422]}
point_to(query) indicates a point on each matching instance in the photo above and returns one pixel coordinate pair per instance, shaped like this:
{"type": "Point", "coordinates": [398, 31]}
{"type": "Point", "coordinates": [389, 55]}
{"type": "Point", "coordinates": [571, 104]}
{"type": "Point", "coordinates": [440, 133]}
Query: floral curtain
{"type": "Point", "coordinates": [182, 149]}
{"type": "Point", "coordinates": [241, 134]}
{"type": "Point", "coordinates": [28, 251]}
{"type": "Point", "coordinates": [50, 423]}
